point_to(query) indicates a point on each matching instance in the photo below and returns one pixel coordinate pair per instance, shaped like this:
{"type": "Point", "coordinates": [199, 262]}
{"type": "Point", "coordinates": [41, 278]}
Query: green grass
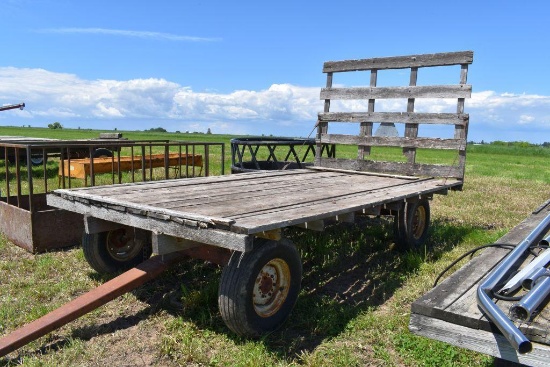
{"type": "Point", "coordinates": [356, 294]}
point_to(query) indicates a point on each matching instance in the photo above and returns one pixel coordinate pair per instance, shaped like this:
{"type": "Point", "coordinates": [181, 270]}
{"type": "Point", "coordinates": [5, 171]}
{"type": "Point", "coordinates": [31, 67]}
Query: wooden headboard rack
{"type": "Point", "coordinates": [410, 142]}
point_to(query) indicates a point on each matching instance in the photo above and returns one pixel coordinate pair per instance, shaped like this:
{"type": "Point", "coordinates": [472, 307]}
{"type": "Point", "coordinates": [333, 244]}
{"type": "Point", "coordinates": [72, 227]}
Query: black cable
{"type": "Point", "coordinates": [474, 250]}
{"type": "Point", "coordinates": [500, 297]}
{"type": "Point", "coordinates": [471, 252]}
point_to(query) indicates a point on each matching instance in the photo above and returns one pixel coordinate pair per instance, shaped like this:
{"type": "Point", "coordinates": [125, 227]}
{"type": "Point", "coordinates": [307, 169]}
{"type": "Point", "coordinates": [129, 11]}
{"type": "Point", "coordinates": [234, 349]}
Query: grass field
{"type": "Point", "coordinates": [353, 309]}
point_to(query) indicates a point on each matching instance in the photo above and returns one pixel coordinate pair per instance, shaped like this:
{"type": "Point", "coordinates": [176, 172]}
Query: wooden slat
{"type": "Point", "coordinates": [139, 207]}
{"type": "Point", "coordinates": [237, 202]}
{"type": "Point", "coordinates": [207, 191]}
{"type": "Point", "coordinates": [153, 186]}
{"type": "Point", "coordinates": [396, 117]}
{"type": "Point", "coordinates": [327, 208]}
{"type": "Point", "coordinates": [238, 205]}
{"type": "Point", "coordinates": [416, 169]}
{"type": "Point", "coordinates": [434, 143]}
{"type": "Point", "coordinates": [221, 238]}
{"type": "Point", "coordinates": [400, 62]}
{"type": "Point", "coordinates": [431, 91]}
{"type": "Point", "coordinates": [481, 341]}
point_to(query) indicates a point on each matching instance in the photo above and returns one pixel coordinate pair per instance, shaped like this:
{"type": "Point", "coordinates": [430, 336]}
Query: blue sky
{"type": "Point", "coordinates": [254, 67]}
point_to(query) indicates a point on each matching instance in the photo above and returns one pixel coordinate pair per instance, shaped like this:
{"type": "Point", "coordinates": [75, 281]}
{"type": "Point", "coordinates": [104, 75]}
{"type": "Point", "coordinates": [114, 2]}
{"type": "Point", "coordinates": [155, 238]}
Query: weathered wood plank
{"type": "Point", "coordinates": [436, 302]}
{"type": "Point", "coordinates": [113, 203]}
{"type": "Point", "coordinates": [210, 236]}
{"type": "Point", "coordinates": [396, 117]}
{"type": "Point", "coordinates": [331, 207]}
{"type": "Point", "coordinates": [239, 205]}
{"type": "Point", "coordinates": [416, 169]}
{"type": "Point", "coordinates": [195, 181]}
{"type": "Point", "coordinates": [403, 142]}
{"type": "Point", "coordinates": [327, 169]}
{"type": "Point", "coordinates": [431, 91]}
{"type": "Point", "coordinates": [480, 341]}
{"type": "Point", "coordinates": [206, 192]}
{"type": "Point", "coordinates": [400, 62]}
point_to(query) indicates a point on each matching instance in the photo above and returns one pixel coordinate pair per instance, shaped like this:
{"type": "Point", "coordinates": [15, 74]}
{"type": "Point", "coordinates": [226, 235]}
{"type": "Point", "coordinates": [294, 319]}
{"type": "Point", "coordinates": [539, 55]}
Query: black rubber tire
{"type": "Point", "coordinates": [244, 275]}
{"type": "Point", "coordinates": [102, 152]}
{"type": "Point", "coordinates": [411, 225]}
{"type": "Point", "coordinates": [133, 245]}
{"type": "Point", "coordinates": [37, 160]}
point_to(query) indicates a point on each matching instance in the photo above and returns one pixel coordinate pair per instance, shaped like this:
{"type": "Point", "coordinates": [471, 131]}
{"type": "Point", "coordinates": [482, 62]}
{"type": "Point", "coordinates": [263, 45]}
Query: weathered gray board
{"type": "Point", "coordinates": [412, 119]}
{"type": "Point", "coordinates": [227, 210]}
{"type": "Point", "coordinates": [450, 313]}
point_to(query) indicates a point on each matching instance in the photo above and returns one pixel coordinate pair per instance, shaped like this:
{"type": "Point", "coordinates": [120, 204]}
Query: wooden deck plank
{"type": "Point", "coordinates": [228, 202]}
{"type": "Point", "coordinates": [322, 209]}
{"type": "Point", "coordinates": [143, 187]}
{"type": "Point", "coordinates": [225, 190]}
{"type": "Point", "coordinates": [478, 340]}
{"type": "Point", "coordinates": [220, 195]}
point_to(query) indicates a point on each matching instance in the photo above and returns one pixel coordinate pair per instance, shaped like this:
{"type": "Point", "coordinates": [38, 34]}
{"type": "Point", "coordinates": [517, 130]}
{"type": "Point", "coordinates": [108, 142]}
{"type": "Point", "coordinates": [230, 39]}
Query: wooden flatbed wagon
{"type": "Point", "coordinates": [236, 220]}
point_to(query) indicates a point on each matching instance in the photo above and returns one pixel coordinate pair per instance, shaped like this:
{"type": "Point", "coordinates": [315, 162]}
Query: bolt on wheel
{"type": "Point", "coordinates": [271, 287]}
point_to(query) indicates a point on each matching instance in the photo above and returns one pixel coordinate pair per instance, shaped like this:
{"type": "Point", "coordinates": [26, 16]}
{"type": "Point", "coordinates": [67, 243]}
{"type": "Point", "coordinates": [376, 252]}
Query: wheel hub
{"type": "Point", "coordinates": [271, 287]}
{"type": "Point", "coordinates": [121, 245]}
{"type": "Point", "coordinates": [419, 222]}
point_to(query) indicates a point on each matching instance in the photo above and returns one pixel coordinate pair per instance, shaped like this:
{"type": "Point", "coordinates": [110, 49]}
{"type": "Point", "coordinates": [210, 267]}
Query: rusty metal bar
{"type": "Point", "coordinates": [29, 177]}
{"type": "Point", "coordinates": [132, 163]}
{"type": "Point", "coordinates": [206, 160]}
{"type": "Point", "coordinates": [18, 177]}
{"type": "Point", "coordinates": [92, 173]}
{"type": "Point", "coordinates": [6, 161]}
{"type": "Point", "coordinates": [44, 162]}
{"type": "Point", "coordinates": [143, 168]}
{"type": "Point", "coordinates": [186, 160]}
{"type": "Point", "coordinates": [88, 302]}
{"type": "Point", "coordinates": [119, 172]}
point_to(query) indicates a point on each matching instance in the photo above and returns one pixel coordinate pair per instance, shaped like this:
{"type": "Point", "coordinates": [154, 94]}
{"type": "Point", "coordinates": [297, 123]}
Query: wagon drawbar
{"type": "Point", "coordinates": [237, 220]}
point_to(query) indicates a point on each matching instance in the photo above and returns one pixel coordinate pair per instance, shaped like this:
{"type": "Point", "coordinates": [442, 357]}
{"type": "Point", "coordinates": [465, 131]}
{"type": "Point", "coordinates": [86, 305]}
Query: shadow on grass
{"type": "Point", "coordinates": [348, 269]}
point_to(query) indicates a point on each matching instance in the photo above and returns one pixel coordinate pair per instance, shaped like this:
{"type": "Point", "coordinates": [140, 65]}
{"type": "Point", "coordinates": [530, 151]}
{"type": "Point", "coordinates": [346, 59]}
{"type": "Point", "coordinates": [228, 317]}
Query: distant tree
{"type": "Point", "coordinates": [157, 130]}
{"type": "Point", "coordinates": [208, 131]}
{"type": "Point", "coordinates": [55, 125]}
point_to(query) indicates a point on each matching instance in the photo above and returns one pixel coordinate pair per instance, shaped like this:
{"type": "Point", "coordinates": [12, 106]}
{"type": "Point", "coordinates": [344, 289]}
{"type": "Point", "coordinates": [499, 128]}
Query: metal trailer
{"type": "Point", "coordinates": [27, 220]}
{"type": "Point", "coordinates": [261, 153]}
{"type": "Point", "coordinates": [237, 220]}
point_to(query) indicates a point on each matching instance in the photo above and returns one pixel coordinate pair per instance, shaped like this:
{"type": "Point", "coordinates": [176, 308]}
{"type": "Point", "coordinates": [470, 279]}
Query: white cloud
{"type": "Point", "coordinates": [129, 33]}
{"type": "Point", "coordinates": [280, 109]}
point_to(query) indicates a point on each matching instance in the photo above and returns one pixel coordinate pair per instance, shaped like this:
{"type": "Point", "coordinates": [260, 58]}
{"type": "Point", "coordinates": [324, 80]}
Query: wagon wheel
{"type": "Point", "coordinates": [37, 159]}
{"type": "Point", "coordinates": [258, 289]}
{"type": "Point", "coordinates": [102, 152]}
{"type": "Point", "coordinates": [116, 250]}
{"type": "Point", "coordinates": [411, 224]}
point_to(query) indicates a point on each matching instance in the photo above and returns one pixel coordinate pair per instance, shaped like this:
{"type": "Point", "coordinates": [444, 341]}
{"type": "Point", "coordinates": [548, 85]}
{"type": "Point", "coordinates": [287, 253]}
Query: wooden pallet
{"type": "Point", "coordinates": [449, 312]}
